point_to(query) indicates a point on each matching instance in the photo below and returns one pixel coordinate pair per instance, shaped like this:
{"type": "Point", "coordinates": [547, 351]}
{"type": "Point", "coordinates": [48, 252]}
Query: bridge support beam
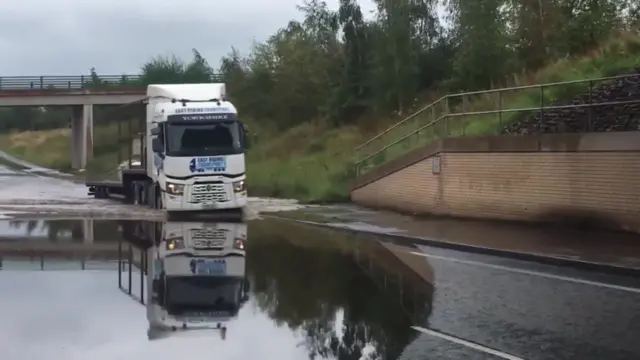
{"type": "Point", "coordinates": [81, 136]}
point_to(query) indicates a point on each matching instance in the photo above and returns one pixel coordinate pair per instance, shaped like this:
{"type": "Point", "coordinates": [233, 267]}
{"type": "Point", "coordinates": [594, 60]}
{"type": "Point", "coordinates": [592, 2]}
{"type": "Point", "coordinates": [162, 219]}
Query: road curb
{"type": "Point", "coordinates": [443, 244]}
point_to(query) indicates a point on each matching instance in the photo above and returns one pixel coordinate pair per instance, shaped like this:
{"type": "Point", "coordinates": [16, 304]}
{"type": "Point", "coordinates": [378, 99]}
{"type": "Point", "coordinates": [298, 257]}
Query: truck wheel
{"type": "Point", "coordinates": [158, 202]}
{"type": "Point", "coordinates": [101, 193]}
{"type": "Point", "coordinates": [150, 196]}
{"type": "Point", "coordinates": [136, 193]}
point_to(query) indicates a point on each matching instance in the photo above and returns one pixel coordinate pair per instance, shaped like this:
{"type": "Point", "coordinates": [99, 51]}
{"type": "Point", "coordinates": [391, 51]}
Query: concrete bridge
{"type": "Point", "coordinates": [80, 93]}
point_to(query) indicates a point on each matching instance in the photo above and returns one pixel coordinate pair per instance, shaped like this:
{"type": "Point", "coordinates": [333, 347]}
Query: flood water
{"type": "Point", "coordinates": [273, 289]}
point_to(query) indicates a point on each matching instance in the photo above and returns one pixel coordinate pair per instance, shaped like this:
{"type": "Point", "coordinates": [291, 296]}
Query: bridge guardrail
{"type": "Point", "coordinates": [66, 82]}
{"type": "Point", "coordinates": [462, 114]}
{"type": "Point", "coordinates": [73, 82]}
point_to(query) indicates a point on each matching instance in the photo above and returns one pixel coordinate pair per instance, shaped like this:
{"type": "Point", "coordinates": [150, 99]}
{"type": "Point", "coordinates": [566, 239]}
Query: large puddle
{"type": "Point", "coordinates": [285, 295]}
{"type": "Point", "coordinates": [274, 289]}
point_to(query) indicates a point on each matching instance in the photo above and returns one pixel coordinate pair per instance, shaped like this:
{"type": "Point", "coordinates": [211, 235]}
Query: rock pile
{"type": "Point", "coordinates": [597, 118]}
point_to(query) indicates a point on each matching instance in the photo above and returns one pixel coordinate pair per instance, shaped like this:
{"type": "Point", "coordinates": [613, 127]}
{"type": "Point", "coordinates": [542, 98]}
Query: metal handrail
{"type": "Point", "coordinates": [402, 122]}
{"type": "Point", "coordinates": [73, 82]}
{"type": "Point", "coordinates": [490, 91]}
{"type": "Point", "coordinates": [500, 110]}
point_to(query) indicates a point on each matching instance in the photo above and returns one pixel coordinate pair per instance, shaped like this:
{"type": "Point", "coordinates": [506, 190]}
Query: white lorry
{"type": "Point", "coordinates": [192, 155]}
{"type": "Point", "coordinates": [196, 277]}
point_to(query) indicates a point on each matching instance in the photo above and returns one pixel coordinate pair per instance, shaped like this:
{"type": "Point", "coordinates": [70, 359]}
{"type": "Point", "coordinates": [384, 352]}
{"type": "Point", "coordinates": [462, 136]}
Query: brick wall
{"type": "Point", "coordinates": [592, 178]}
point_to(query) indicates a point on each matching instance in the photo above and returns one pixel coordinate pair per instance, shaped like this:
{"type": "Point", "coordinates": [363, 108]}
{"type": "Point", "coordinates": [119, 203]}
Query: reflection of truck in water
{"type": "Point", "coordinates": [217, 238]}
{"type": "Point", "coordinates": [196, 277]}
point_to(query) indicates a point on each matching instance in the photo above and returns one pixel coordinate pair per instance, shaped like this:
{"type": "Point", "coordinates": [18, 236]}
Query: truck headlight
{"type": "Point", "coordinates": [175, 189]}
{"type": "Point", "coordinates": [239, 244]}
{"type": "Point", "coordinates": [174, 244]}
{"type": "Point", "coordinates": [239, 186]}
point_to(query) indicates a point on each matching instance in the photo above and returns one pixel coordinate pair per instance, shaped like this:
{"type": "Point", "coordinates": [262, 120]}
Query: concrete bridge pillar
{"type": "Point", "coordinates": [81, 136]}
{"type": "Point", "coordinates": [87, 229]}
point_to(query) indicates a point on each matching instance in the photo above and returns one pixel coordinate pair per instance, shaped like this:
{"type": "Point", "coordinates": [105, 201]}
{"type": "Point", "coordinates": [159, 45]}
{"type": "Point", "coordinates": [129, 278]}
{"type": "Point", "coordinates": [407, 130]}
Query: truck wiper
{"type": "Point", "coordinates": [185, 101]}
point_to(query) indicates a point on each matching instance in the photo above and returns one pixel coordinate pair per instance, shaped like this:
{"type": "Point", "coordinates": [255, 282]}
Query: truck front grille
{"type": "Point", "coordinates": [208, 193]}
{"type": "Point", "coordinates": [208, 238]}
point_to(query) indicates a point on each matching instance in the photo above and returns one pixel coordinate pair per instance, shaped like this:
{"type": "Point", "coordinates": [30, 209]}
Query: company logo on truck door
{"type": "Point", "coordinates": [207, 164]}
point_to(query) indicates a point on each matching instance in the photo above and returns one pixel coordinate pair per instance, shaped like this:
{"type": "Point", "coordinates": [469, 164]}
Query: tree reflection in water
{"type": "Point", "coordinates": [306, 287]}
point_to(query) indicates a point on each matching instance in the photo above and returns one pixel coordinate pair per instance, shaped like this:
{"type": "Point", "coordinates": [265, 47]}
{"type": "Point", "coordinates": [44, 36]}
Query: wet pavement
{"type": "Point", "coordinates": [591, 246]}
{"type": "Point", "coordinates": [33, 193]}
{"type": "Point", "coordinates": [284, 290]}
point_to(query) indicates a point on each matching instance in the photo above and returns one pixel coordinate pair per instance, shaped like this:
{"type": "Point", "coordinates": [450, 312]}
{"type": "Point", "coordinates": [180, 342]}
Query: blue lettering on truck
{"type": "Point", "coordinates": [208, 164]}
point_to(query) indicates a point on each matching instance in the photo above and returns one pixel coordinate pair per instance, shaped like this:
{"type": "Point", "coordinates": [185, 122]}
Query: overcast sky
{"type": "Point", "coordinates": [68, 37]}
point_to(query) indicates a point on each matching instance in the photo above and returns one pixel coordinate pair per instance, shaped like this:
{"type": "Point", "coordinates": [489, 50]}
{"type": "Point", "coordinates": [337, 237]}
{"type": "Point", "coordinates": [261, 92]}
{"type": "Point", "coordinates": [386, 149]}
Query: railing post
{"type": "Point", "coordinates": [464, 113]}
{"type": "Point", "coordinates": [0, 83]}
{"type": "Point", "coordinates": [500, 109]}
{"type": "Point", "coordinates": [69, 84]}
{"type": "Point", "coordinates": [446, 116]}
{"type": "Point", "coordinates": [590, 121]}
{"type": "Point", "coordinates": [41, 82]}
{"type": "Point", "coordinates": [433, 114]}
{"type": "Point", "coordinates": [81, 81]}
{"type": "Point", "coordinates": [541, 108]}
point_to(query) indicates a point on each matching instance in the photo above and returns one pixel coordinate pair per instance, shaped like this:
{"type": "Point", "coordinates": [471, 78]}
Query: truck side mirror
{"type": "Point", "coordinates": [156, 145]}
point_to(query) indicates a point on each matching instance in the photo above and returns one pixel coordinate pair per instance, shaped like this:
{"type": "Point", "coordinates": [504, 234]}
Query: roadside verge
{"type": "Point", "coordinates": [24, 166]}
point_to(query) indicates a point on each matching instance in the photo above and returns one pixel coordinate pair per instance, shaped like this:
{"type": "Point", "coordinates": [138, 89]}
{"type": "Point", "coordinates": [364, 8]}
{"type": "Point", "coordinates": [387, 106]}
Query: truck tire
{"type": "Point", "coordinates": [158, 201]}
{"type": "Point", "coordinates": [101, 193]}
{"type": "Point", "coordinates": [150, 195]}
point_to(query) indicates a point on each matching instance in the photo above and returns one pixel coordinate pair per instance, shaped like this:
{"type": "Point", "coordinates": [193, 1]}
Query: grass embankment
{"type": "Point", "coordinates": [313, 162]}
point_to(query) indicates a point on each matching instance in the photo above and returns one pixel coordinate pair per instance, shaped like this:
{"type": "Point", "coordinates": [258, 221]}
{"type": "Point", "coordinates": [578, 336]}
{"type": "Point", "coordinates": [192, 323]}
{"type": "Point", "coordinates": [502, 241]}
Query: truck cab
{"type": "Point", "coordinates": [196, 160]}
{"type": "Point", "coordinates": [196, 277]}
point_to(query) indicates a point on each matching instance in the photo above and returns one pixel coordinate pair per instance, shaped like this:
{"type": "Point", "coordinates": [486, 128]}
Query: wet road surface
{"type": "Point", "coordinates": [288, 291]}
{"type": "Point", "coordinates": [549, 241]}
{"type": "Point", "coordinates": [34, 192]}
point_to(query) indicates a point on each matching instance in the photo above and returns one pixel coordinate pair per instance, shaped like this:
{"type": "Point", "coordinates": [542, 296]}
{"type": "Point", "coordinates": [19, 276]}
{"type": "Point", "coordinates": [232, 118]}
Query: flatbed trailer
{"type": "Point", "coordinates": [105, 189]}
{"type": "Point", "coordinates": [133, 186]}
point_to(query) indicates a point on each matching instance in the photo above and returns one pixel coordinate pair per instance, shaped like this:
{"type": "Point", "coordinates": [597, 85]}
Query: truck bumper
{"type": "Point", "coordinates": [179, 203]}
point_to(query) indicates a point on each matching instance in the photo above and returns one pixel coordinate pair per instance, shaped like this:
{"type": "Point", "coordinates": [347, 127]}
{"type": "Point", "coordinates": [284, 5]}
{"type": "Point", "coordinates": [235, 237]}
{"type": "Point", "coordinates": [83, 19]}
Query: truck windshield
{"type": "Point", "coordinates": [219, 138]}
{"type": "Point", "coordinates": [185, 294]}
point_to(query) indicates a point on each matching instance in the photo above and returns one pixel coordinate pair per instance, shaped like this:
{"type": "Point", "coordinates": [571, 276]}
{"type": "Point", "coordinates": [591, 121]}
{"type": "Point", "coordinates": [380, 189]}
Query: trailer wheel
{"type": "Point", "coordinates": [158, 202]}
{"type": "Point", "coordinates": [136, 193]}
{"type": "Point", "coordinates": [101, 192]}
{"type": "Point", "coordinates": [151, 196]}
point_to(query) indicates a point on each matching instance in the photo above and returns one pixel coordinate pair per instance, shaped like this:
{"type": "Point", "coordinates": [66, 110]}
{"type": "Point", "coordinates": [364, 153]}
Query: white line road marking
{"type": "Point", "coordinates": [468, 344]}
{"type": "Point", "coordinates": [530, 272]}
